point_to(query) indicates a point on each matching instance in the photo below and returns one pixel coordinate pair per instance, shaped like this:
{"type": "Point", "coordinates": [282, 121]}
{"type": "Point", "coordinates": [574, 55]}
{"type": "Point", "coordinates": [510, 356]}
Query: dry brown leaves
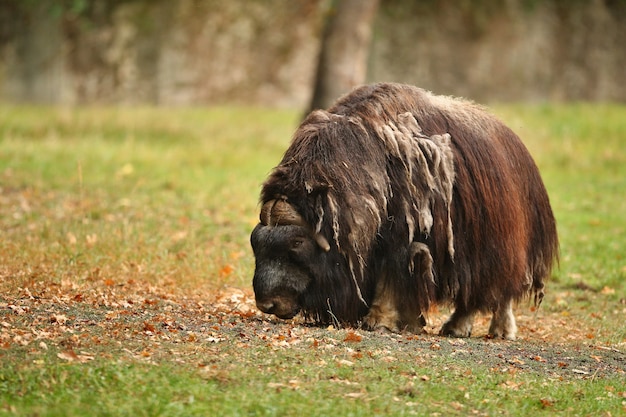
{"type": "Point", "coordinates": [138, 321]}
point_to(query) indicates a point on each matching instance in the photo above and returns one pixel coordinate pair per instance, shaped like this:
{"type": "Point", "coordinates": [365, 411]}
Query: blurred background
{"type": "Point", "coordinates": [279, 52]}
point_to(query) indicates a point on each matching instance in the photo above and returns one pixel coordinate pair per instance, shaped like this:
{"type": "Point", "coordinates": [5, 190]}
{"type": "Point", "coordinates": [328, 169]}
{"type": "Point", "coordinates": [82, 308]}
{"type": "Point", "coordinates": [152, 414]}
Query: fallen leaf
{"type": "Point", "coordinates": [17, 309]}
{"type": "Point", "coordinates": [71, 238]}
{"type": "Point", "coordinates": [342, 381]}
{"type": "Point", "coordinates": [58, 319]}
{"type": "Point", "coordinates": [607, 290]}
{"type": "Point", "coordinates": [511, 385]}
{"type": "Point", "coordinates": [457, 405]}
{"type": "Point", "coordinates": [91, 239]}
{"type": "Point", "coordinates": [68, 355]}
{"type": "Point", "coordinates": [236, 255]}
{"type": "Point", "coordinates": [226, 270]}
{"type": "Point", "coordinates": [213, 339]}
{"type": "Point", "coordinates": [178, 236]}
{"type": "Point", "coordinates": [357, 355]}
{"type": "Point", "coordinates": [84, 357]}
{"type": "Point", "coordinates": [125, 171]}
{"type": "Point", "coordinates": [353, 337]}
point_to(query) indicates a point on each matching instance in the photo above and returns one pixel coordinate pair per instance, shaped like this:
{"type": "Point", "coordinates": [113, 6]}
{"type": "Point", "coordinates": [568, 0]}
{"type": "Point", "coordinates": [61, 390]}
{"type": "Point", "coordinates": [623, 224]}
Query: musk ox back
{"type": "Point", "coordinates": [395, 200]}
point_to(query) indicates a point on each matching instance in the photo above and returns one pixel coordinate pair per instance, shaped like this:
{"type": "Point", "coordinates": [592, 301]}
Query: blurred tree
{"type": "Point", "coordinates": [342, 62]}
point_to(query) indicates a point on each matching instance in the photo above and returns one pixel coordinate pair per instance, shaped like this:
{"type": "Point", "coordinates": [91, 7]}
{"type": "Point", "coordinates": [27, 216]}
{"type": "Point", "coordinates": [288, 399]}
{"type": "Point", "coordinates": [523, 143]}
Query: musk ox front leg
{"type": "Point", "coordinates": [459, 324]}
{"type": "Point", "coordinates": [384, 315]}
{"type": "Point", "coordinates": [392, 308]}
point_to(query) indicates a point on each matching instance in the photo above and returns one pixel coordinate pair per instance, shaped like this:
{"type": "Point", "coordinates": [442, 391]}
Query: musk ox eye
{"type": "Point", "coordinates": [297, 243]}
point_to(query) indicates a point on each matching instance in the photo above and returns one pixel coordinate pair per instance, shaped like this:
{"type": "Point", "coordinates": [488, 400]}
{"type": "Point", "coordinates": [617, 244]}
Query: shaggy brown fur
{"type": "Point", "coordinates": [424, 199]}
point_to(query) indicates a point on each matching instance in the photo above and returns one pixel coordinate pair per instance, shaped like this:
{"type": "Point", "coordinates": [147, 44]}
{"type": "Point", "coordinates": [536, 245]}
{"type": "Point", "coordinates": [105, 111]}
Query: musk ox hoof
{"type": "Point", "coordinates": [379, 329]}
{"type": "Point", "coordinates": [415, 326]}
{"type": "Point", "coordinates": [378, 319]}
{"type": "Point", "coordinates": [454, 332]}
{"type": "Point", "coordinates": [500, 334]}
{"type": "Point", "coordinates": [458, 326]}
{"type": "Point", "coordinates": [503, 323]}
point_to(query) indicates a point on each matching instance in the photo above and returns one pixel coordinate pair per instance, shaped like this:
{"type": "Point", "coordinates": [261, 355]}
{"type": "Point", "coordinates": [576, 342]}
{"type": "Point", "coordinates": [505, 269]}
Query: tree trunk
{"type": "Point", "coordinates": [342, 63]}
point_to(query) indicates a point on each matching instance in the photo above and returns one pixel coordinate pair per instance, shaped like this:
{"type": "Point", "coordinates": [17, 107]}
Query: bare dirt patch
{"type": "Point", "coordinates": [135, 323]}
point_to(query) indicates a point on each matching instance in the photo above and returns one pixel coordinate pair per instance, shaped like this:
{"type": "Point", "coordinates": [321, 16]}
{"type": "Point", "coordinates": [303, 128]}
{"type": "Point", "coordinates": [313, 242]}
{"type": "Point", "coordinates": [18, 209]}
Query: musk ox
{"type": "Point", "coordinates": [395, 200]}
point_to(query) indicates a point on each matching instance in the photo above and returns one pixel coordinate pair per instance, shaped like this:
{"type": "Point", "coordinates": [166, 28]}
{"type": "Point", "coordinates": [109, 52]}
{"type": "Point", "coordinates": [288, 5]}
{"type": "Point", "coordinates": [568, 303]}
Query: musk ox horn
{"type": "Point", "coordinates": [282, 213]}
{"type": "Point", "coordinates": [321, 241]}
{"type": "Point", "coordinates": [279, 212]}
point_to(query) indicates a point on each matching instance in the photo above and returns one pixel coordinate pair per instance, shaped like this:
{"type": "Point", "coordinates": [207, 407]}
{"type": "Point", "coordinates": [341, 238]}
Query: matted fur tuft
{"type": "Point", "coordinates": [424, 199]}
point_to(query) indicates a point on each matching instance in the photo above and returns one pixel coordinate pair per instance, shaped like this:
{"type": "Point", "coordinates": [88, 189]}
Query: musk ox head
{"type": "Point", "coordinates": [395, 200]}
{"type": "Point", "coordinates": [287, 253]}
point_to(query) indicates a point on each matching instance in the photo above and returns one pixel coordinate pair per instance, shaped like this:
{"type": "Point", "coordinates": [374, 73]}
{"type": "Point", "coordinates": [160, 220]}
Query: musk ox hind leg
{"type": "Point", "coordinates": [503, 322]}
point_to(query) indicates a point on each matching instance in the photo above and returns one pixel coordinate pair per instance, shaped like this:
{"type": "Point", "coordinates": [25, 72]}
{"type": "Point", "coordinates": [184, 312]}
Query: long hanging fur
{"type": "Point", "coordinates": [430, 198]}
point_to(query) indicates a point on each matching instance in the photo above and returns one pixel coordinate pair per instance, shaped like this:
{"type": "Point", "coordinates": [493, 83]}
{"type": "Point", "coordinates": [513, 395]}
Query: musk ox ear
{"type": "Point", "coordinates": [278, 212]}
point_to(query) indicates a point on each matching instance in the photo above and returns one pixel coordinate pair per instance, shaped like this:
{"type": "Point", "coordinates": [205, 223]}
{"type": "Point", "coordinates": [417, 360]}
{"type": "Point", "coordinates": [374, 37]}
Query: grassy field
{"type": "Point", "coordinates": [125, 275]}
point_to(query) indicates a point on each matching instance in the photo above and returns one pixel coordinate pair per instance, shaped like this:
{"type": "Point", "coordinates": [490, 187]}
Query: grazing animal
{"type": "Point", "coordinates": [395, 200]}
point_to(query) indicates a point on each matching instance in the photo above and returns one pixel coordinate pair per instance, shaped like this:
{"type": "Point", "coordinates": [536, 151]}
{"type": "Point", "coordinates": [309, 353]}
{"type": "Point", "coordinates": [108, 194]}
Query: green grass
{"type": "Point", "coordinates": [291, 382]}
{"type": "Point", "coordinates": [128, 220]}
{"type": "Point", "coordinates": [136, 186]}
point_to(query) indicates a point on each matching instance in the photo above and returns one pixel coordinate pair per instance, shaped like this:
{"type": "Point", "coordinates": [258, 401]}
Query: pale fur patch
{"type": "Point", "coordinates": [428, 174]}
{"type": "Point", "coordinates": [429, 171]}
{"type": "Point", "coordinates": [319, 211]}
{"type": "Point", "coordinates": [503, 322]}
